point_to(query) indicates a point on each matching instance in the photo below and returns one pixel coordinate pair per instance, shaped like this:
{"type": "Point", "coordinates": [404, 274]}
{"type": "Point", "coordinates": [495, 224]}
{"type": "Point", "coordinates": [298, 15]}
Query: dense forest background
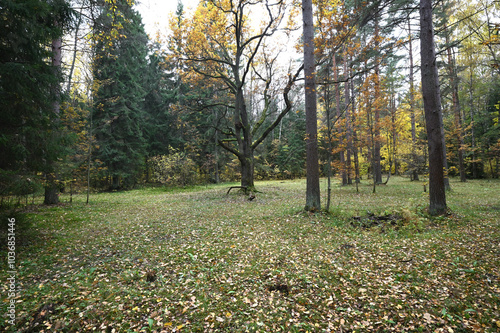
{"type": "Point", "coordinates": [89, 101]}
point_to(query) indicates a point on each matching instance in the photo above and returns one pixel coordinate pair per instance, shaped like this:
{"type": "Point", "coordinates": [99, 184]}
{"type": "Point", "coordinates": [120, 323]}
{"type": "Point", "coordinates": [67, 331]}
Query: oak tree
{"type": "Point", "coordinates": [220, 43]}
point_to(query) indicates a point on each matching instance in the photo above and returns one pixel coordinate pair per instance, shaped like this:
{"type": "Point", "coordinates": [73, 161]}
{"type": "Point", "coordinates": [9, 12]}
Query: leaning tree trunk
{"type": "Point", "coordinates": [312, 165]}
{"type": "Point", "coordinates": [432, 108]}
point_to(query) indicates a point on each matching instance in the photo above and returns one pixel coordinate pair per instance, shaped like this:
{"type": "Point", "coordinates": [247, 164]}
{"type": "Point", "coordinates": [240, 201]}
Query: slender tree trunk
{"type": "Point", "coordinates": [89, 164]}
{"type": "Point", "coordinates": [216, 152]}
{"type": "Point", "coordinates": [329, 138]}
{"type": "Point", "coordinates": [52, 187]}
{"type": "Point", "coordinates": [456, 110]}
{"type": "Point", "coordinates": [312, 164]}
{"type": "Point", "coordinates": [369, 148]}
{"type": "Point", "coordinates": [373, 147]}
{"type": "Point", "coordinates": [412, 111]}
{"type": "Point", "coordinates": [432, 107]}
{"type": "Point", "coordinates": [394, 135]}
{"type": "Point", "coordinates": [73, 60]}
{"type": "Point", "coordinates": [340, 129]}
{"type": "Point", "coordinates": [377, 172]}
{"type": "Point", "coordinates": [329, 160]}
{"type": "Point", "coordinates": [91, 138]}
{"type": "Point", "coordinates": [447, 185]}
{"type": "Point", "coordinates": [354, 139]}
{"type": "Point", "coordinates": [347, 120]}
{"type": "Point", "coordinates": [473, 139]}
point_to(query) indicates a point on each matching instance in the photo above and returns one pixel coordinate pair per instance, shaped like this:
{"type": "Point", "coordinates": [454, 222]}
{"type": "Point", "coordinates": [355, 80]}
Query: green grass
{"type": "Point", "coordinates": [225, 264]}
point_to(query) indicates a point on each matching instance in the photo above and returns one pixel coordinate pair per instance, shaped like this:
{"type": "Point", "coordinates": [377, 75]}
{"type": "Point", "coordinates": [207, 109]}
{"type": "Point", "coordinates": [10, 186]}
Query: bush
{"type": "Point", "coordinates": [175, 169]}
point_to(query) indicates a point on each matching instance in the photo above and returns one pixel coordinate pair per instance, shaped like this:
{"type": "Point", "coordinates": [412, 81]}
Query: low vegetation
{"type": "Point", "coordinates": [199, 260]}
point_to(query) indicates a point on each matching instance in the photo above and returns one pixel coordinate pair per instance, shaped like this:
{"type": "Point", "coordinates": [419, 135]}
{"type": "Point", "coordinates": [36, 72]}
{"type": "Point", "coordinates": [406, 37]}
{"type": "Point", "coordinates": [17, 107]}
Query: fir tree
{"type": "Point", "coordinates": [30, 136]}
{"type": "Point", "coordinates": [119, 65]}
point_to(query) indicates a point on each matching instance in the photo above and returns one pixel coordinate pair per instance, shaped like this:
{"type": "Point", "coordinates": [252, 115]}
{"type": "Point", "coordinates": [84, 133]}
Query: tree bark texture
{"type": "Point", "coordinates": [312, 164]}
{"type": "Point", "coordinates": [432, 109]}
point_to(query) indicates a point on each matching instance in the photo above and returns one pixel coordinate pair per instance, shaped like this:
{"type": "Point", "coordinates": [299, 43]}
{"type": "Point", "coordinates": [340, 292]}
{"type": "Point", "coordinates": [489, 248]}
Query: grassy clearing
{"type": "Point", "coordinates": [201, 261]}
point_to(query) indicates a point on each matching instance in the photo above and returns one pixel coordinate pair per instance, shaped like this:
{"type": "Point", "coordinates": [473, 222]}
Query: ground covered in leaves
{"type": "Point", "coordinates": [198, 260]}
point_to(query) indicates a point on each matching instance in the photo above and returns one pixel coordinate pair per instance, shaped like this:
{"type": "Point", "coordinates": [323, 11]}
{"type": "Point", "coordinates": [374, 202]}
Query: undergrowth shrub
{"type": "Point", "coordinates": [14, 187]}
{"type": "Point", "coordinates": [175, 169]}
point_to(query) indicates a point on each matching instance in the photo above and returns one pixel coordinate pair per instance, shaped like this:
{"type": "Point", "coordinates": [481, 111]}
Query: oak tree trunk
{"type": "Point", "coordinates": [244, 138]}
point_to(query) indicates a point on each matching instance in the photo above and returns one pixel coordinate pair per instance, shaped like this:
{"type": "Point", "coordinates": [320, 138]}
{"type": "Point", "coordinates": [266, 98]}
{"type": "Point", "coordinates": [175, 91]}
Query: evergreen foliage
{"type": "Point", "coordinates": [30, 135]}
{"type": "Point", "coordinates": [119, 64]}
{"type": "Point", "coordinates": [159, 95]}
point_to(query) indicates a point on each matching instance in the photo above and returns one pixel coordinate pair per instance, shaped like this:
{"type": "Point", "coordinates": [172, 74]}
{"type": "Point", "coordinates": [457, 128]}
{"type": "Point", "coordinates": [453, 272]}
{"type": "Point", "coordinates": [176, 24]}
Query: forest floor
{"type": "Point", "coordinates": [198, 260]}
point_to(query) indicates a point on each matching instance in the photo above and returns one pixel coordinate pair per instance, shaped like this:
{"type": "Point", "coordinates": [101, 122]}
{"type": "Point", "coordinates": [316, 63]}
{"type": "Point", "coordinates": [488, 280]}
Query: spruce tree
{"type": "Point", "coordinates": [30, 135]}
{"type": "Point", "coordinates": [160, 87]}
{"type": "Point", "coordinates": [119, 64]}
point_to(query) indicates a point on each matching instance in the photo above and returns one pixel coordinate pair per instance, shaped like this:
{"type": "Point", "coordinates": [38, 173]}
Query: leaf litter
{"type": "Point", "coordinates": [200, 261]}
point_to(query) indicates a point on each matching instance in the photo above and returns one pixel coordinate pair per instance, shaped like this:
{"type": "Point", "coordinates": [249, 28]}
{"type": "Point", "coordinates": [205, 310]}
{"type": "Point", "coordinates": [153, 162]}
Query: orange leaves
{"type": "Point", "coordinates": [204, 36]}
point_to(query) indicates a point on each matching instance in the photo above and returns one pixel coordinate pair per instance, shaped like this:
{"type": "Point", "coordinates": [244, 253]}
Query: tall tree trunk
{"type": "Point", "coordinates": [313, 202]}
{"type": "Point", "coordinates": [354, 138]}
{"type": "Point", "coordinates": [348, 119]}
{"type": "Point", "coordinates": [472, 134]}
{"type": "Point", "coordinates": [329, 147]}
{"type": "Point", "coordinates": [73, 60]}
{"type": "Point", "coordinates": [369, 148]}
{"type": "Point", "coordinates": [216, 152]}
{"type": "Point", "coordinates": [52, 187]}
{"type": "Point", "coordinates": [327, 102]}
{"type": "Point", "coordinates": [377, 172]}
{"type": "Point", "coordinates": [456, 108]}
{"type": "Point", "coordinates": [432, 108]}
{"type": "Point", "coordinates": [89, 162]}
{"type": "Point", "coordinates": [412, 111]}
{"type": "Point", "coordinates": [394, 135]}
{"type": "Point", "coordinates": [340, 129]}
{"type": "Point", "coordinates": [447, 185]}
